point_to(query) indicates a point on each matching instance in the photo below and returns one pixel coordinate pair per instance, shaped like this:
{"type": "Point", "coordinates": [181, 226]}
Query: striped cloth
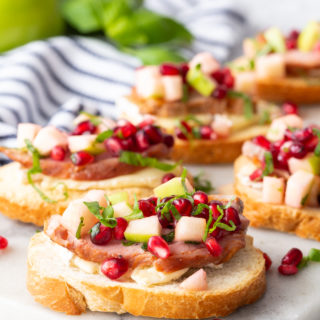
{"type": "Point", "coordinates": [49, 82]}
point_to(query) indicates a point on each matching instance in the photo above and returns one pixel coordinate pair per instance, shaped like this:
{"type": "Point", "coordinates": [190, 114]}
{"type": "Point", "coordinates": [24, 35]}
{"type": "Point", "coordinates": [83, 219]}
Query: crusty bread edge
{"type": "Point", "coordinates": [58, 295]}
{"type": "Point", "coordinates": [304, 222]}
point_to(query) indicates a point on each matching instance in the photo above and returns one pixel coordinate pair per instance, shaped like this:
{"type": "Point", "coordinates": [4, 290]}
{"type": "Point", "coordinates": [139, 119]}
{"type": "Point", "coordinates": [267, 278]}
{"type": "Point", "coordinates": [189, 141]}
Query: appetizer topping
{"type": "Point", "coordinates": [214, 247]}
{"type": "Point", "coordinates": [293, 257]}
{"type": "Point", "coordinates": [120, 228]}
{"type": "Point", "coordinates": [81, 158]}
{"type": "Point", "coordinates": [195, 282]}
{"type": "Point", "coordinates": [287, 269]}
{"type": "Point", "coordinates": [167, 177]}
{"type": "Point", "coordinates": [158, 247]}
{"type": "Point", "coordinates": [84, 127]}
{"type": "Point", "coordinates": [3, 243]}
{"type": "Point", "coordinates": [114, 268]}
{"type": "Point", "coordinates": [268, 261]}
{"type": "Point", "coordinates": [58, 153]}
{"type": "Point", "coordinates": [290, 108]}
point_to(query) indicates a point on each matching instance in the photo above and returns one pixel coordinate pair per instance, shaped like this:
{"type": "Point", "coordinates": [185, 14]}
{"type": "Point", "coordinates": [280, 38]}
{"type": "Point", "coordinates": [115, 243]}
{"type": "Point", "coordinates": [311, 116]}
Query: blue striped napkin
{"type": "Point", "coordinates": [49, 82]}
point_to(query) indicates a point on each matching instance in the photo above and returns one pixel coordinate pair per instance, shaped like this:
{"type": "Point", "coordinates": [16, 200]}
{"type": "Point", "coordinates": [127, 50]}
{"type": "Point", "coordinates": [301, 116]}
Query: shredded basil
{"type": "Point", "coordinates": [185, 96]}
{"type": "Point", "coordinates": [36, 168]}
{"type": "Point", "coordinates": [192, 242]}
{"type": "Point", "coordinates": [137, 159]}
{"type": "Point", "coordinates": [248, 106]}
{"type": "Point", "coordinates": [202, 184]}
{"type": "Point", "coordinates": [104, 135]}
{"type": "Point", "coordinates": [265, 117]}
{"type": "Point", "coordinates": [144, 246]}
{"type": "Point", "coordinates": [314, 255]}
{"type": "Point", "coordinates": [81, 224]}
{"type": "Point", "coordinates": [193, 118]}
{"type": "Point", "coordinates": [196, 132]}
{"type": "Point", "coordinates": [168, 237]}
{"type": "Point", "coordinates": [136, 212]}
{"type": "Point", "coordinates": [268, 164]}
{"type": "Point", "coordinates": [105, 215]}
{"type": "Point", "coordinates": [128, 243]}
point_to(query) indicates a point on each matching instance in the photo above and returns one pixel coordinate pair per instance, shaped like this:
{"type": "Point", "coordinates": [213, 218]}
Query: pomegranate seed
{"type": "Point", "coordinates": [213, 247]}
{"type": "Point", "coordinates": [204, 214]}
{"type": "Point", "coordinates": [184, 206]}
{"type": "Point", "coordinates": [200, 197]}
{"type": "Point", "coordinates": [268, 261]}
{"type": "Point", "coordinates": [256, 175]}
{"type": "Point", "coordinates": [186, 125]}
{"type": "Point", "coordinates": [81, 158]}
{"type": "Point", "coordinates": [220, 92]}
{"type": "Point", "coordinates": [290, 108]}
{"type": "Point", "coordinates": [184, 68]}
{"type": "Point", "coordinates": [228, 80]}
{"type": "Point", "coordinates": [294, 34]}
{"type": "Point", "coordinates": [180, 134]}
{"type": "Point", "coordinates": [163, 220]}
{"type": "Point", "coordinates": [167, 177]}
{"type": "Point", "coordinates": [127, 144]}
{"type": "Point", "coordinates": [142, 141]}
{"type": "Point", "coordinates": [293, 257]}
{"type": "Point", "coordinates": [114, 145]}
{"type": "Point", "coordinates": [288, 269]}
{"type": "Point", "coordinates": [153, 133]}
{"type": "Point", "coordinates": [84, 127]}
{"type": "Point", "coordinates": [206, 132]}
{"type": "Point", "coordinates": [158, 247]}
{"type": "Point", "coordinates": [213, 205]}
{"type": "Point", "coordinates": [125, 131]}
{"type": "Point", "coordinates": [311, 144]}
{"type": "Point", "coordinates": [216, 233]}
{"type": "Point", "coordinates": [262, 142]}
{"type": "Point", "coordinates": [146, 121]}
{"type": "Point", "coordinates": [114, 268]}
{"type": "Point", "coordinates": [218, 75]}
{"type": "Point", "coordinates": [103, 236]}
{"type": "Point", "coordinates": [167, 69]}
{"type": "Point", "coordinates": [58, 153]}
{"type": "Point", "coordinates": [147, 208]}
{"type": "Point", "coordinates": [303, 135]}
{"type": "Point", "coordinates": [282, 160]}
{"type": "Point", "coordinates": [120, 228]}
{"type": "Point", "coordinates": [231, 214]}
{"type": "Point", "coordinates": [291, 44]}
{"type": "Point", "coordinates": [168, 140]}
{"type": "Point", "coordinates": [3, 243]}
{"type": "Point", "coordinates": [153, 200]}
{"type": "Point", "coordinates": [297, 150]}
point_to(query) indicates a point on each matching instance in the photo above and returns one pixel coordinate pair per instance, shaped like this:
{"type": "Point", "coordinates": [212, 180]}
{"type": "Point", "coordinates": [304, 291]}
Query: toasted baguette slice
{"type": "Point", "coordinates": [60, 287]}
{"type": "Point", "coordinates": [18, 200]}
{"type": "Point", "coordinates": [298, 90]}
{"type": "Point", "coordinates": [215, 151]}
{"type": "Point", "coordinates": [304, 222]}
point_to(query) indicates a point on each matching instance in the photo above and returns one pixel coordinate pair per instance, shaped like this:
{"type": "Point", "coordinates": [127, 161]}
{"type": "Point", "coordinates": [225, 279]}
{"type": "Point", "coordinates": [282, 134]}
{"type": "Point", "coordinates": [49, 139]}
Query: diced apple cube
{"type": "Point", "coordinates": [311, 163]}
{"type": "Point", "coordinates": [149, 83]}
{"type": "Point", "coordinates": [78, 143]}
{"type": "Point", "coordinates": [208, 63]}
{"type": "Point", "coordinates": [48, 138]}
{"type": "Point", "coordinates": [190, 229]}
{"type": "Point", "coordinates": [270, 66]}
{"type": "Point", "coordinates": [172, 187]}
{"type": "Point", "coordinates": [121, 196]}
{"type": "Point", "coordinates": [96, 195]}
{"type": "Point", "coordinates": [121, 209]}
{"type": "Point", "coordinates": [221, 125]}
{"type": "Point", "coordinates": [26, 131]}
{"type": "Point", "coordinates": [105, 125]}
{"type": "Point", "coordinates": [196, 282]}
{"type": "Point", "coordinates": [298, 187]}
{"type": "Point", "coordinates": [245, 82]}
{"type": "Point", "coordinates": [72, 215]}
{"type": "Point", "coordinates": [141, 230]}
{"type": "Point", "coordinates": [173, 87]}
{"type": "Point", "coordinates": [273, 190]}
{"type": "Point", "coordinates": [312, 200]}
{"type": "Point", "coordinates": [279, 126]}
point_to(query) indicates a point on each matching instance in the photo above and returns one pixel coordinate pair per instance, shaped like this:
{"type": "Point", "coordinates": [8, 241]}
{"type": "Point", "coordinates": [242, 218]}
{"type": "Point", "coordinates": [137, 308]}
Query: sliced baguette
{"type": "Point", "coordinates": [18, 200]}
{"type": "Point", "coordinates": [217, 151]}
{"type": "Point", "coordinates": [304, 222]}
{"type": "Point", "coordinates": [55, 284]}
{"type": "Point", "coordinates": [298, 90]}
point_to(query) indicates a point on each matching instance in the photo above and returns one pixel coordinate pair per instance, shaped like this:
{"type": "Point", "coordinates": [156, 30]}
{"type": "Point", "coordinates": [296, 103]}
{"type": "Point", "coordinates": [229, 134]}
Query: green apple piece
{"type": "Point", "coordinates": [96, 148]}
{"type": "Point", "coordinates": [172, 187]}
{"type": "Point", "coordinates": [311, 164]}
{"type": "Point", "coordinates": [117, 197]}
{"type": "Point", "coordinates": [141, 230]}
{"type": "Point", "coordinates": [275, 39]}
{"type": "Point", "coordinates": [199, 81]}
{"type": "Point", "coordinates": [309, 36]}
{"type": "Point", "coordinates": [315, 164]}
{"type": "Point", "coordinates": [121, 209]}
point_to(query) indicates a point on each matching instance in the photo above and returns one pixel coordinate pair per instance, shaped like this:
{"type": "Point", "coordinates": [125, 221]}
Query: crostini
{"type": "Point", "coordinates": [276, 67]}
{"type": "Point", "coordinates": [52, 167]}
{"type": "Point", "coordinates": [277, 176]}
{"type": "Point", "coordinates": [178, 254]}
{"type": "Point", "coordinates": [198, 104]}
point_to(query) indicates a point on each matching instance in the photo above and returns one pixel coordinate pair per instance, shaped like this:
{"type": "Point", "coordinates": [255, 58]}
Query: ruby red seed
{"type": "Point", "coordinates": [213, 247]}
{"type": "Point", "coordinates": [147, 208]}
{"type": "Point", "coordinates": [167, 177]}
{"type": "Point", "coordinates": [167, 69]}
{"type": "Point", "coordinates": [158, 247]}
{"type": "Point", "coordinates": [81, 158]}
{"type": "Point", "coordinates": [114, 268]}
{"type": "Point", "coordinates": [200, 197]}
{"type": "Point", "coordinates": [290, 108]}
{"type": "Point", "coordinates": [103, 236]}
{"type": "Point", "coordinates": [120, 228]}
{"type": "Point", "coordinates": [168, 140]}
{"type": "Point", "coordinates": [288, 269]}
{"type": "Point", "coordinates": [153, 133]}
{"type": "Point", "coordinates": [3, 243]}
{"type": "Point", "coordinates": [142, 141]}
{"type": "Point", "coordinates": [58, 153]}
{"type": "Point", "coordinates": [84, 127]}
{"type": "Point", "coordinates": [268, 261]}
{"type": "Point", "coordinates": [262, 142]}
{"type": "Point", "coordinates": [231, 214]}
{"type": "Point", "coordinates": [184, 206]}
{"type": "Point", "coordinates": [293, 257]}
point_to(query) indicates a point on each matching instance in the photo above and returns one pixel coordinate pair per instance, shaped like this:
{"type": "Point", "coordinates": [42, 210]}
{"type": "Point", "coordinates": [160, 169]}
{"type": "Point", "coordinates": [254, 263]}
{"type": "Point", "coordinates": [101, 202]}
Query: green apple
{"type": "Point", "coordinates": [275, 39]}
{"type": "Point", "coordinates": [172, 187]}
{"type": "Point", "coordinates": [311, 164]}
{"type": "Point", "coordinates": [315, 164]}
{"type": "Point", "coordinates": [199, 81]}
{"type": "Point", "coordinates": [309, 36]}
{"type": "Point", "coordinates": [141, 230]}
{"type": "Point", "coordinates": [121, 209]}
{"type": "Point", "coordinates": [117, 197]}
{"type": "Point", "coordinates": [96, 148]}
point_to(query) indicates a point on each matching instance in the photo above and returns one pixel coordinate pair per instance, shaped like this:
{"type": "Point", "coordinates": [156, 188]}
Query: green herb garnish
{"type": "Point", "coordinates": [104, 135]}
{"type": "Point", "coordinates": [192, 242]}
{"type": "Point", "coordinates": [105, 215]}
{"type": "Point", "coordinates": [313, 255]}
{"type": "Point", "coordinates": [144, 246]}
{"type": "Point", "coordinates": [136, 212]}
{"type": "Point", "coordinates": [268, 169]}
{"type": "Point", "coordinates": [36, 168]}
{"type": "Point", "coordinates": [193, 118]}
{"type": "Point", "coordinates": [81, 224]}
{"type": "Point", "coordinates": [185, 96]}
{"type": "Point", "coordinates": [202, 184]}
{"type": "Point", "coordinates": [136, 159]}
{"type": "Point", "coordinates": [265, 50]}
{"type": "Point", "coordinates": [95, 120]}
{"type": "Point", "coordinates": [128, 243]}
{"type": "Point", "coordinates": [183, 180]}
{"type": "Point", "coordinates": [168, 237]}
{"type": "Point", "coordinates": [265, 117]}
{"type": "Point", "coordinates": [248, 106]}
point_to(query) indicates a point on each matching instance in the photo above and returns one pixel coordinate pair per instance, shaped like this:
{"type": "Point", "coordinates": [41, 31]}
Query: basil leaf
{"type": "Point", "coordinates": [144, 246]}
{"type": "Point", "coordinates": [196, 132]}
{"type": "Point", "coordinates": [128, 243]}
{"type": "Point", "coordinates": [81, 224]}
{"type": "Point", "coordinates": [208, 225]}
{"type": "Point", "coordinates": [136, 159]}
{"type": "Point", "coordinates": [175, 212]}
{"type": "Point", "coordinates": [269, 168]}
{"type": "Point", "coordinates": [104, 215]}
{"type": "Point", "coordinates": [227, 227]}
{"type": "Point", "coordinates": [202, 184]}
{"type": "Point", "coordinates": [199, 208]}
{"type": "Point", "coordinates": [136, 212]}
{"type": "Point", "coordinates": [193, 118]}
{"type": "Point", "coordinates": [104, 135]}
{"type": "Point", "coordinates": [192, 242]}
{"type": "Point", "coordinates": [218, 219]}
{"type": "Point", "coordinates": [168, 237]}
{"type": "Point", "coordinates": [314, 255]}
{"type": "Point", "coordinates": [248, 106]}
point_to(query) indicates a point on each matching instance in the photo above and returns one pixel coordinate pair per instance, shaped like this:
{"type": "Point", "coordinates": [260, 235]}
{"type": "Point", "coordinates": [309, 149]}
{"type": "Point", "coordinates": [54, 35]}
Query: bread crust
{"type": "Point", "coordinates": [304, 222]}
{"type": "Point", "coordinates": [298, 90]}
{"type": "Point", "coordinates": [215, 151]}
{"type": "Point", "coordinates": [74, 293]}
